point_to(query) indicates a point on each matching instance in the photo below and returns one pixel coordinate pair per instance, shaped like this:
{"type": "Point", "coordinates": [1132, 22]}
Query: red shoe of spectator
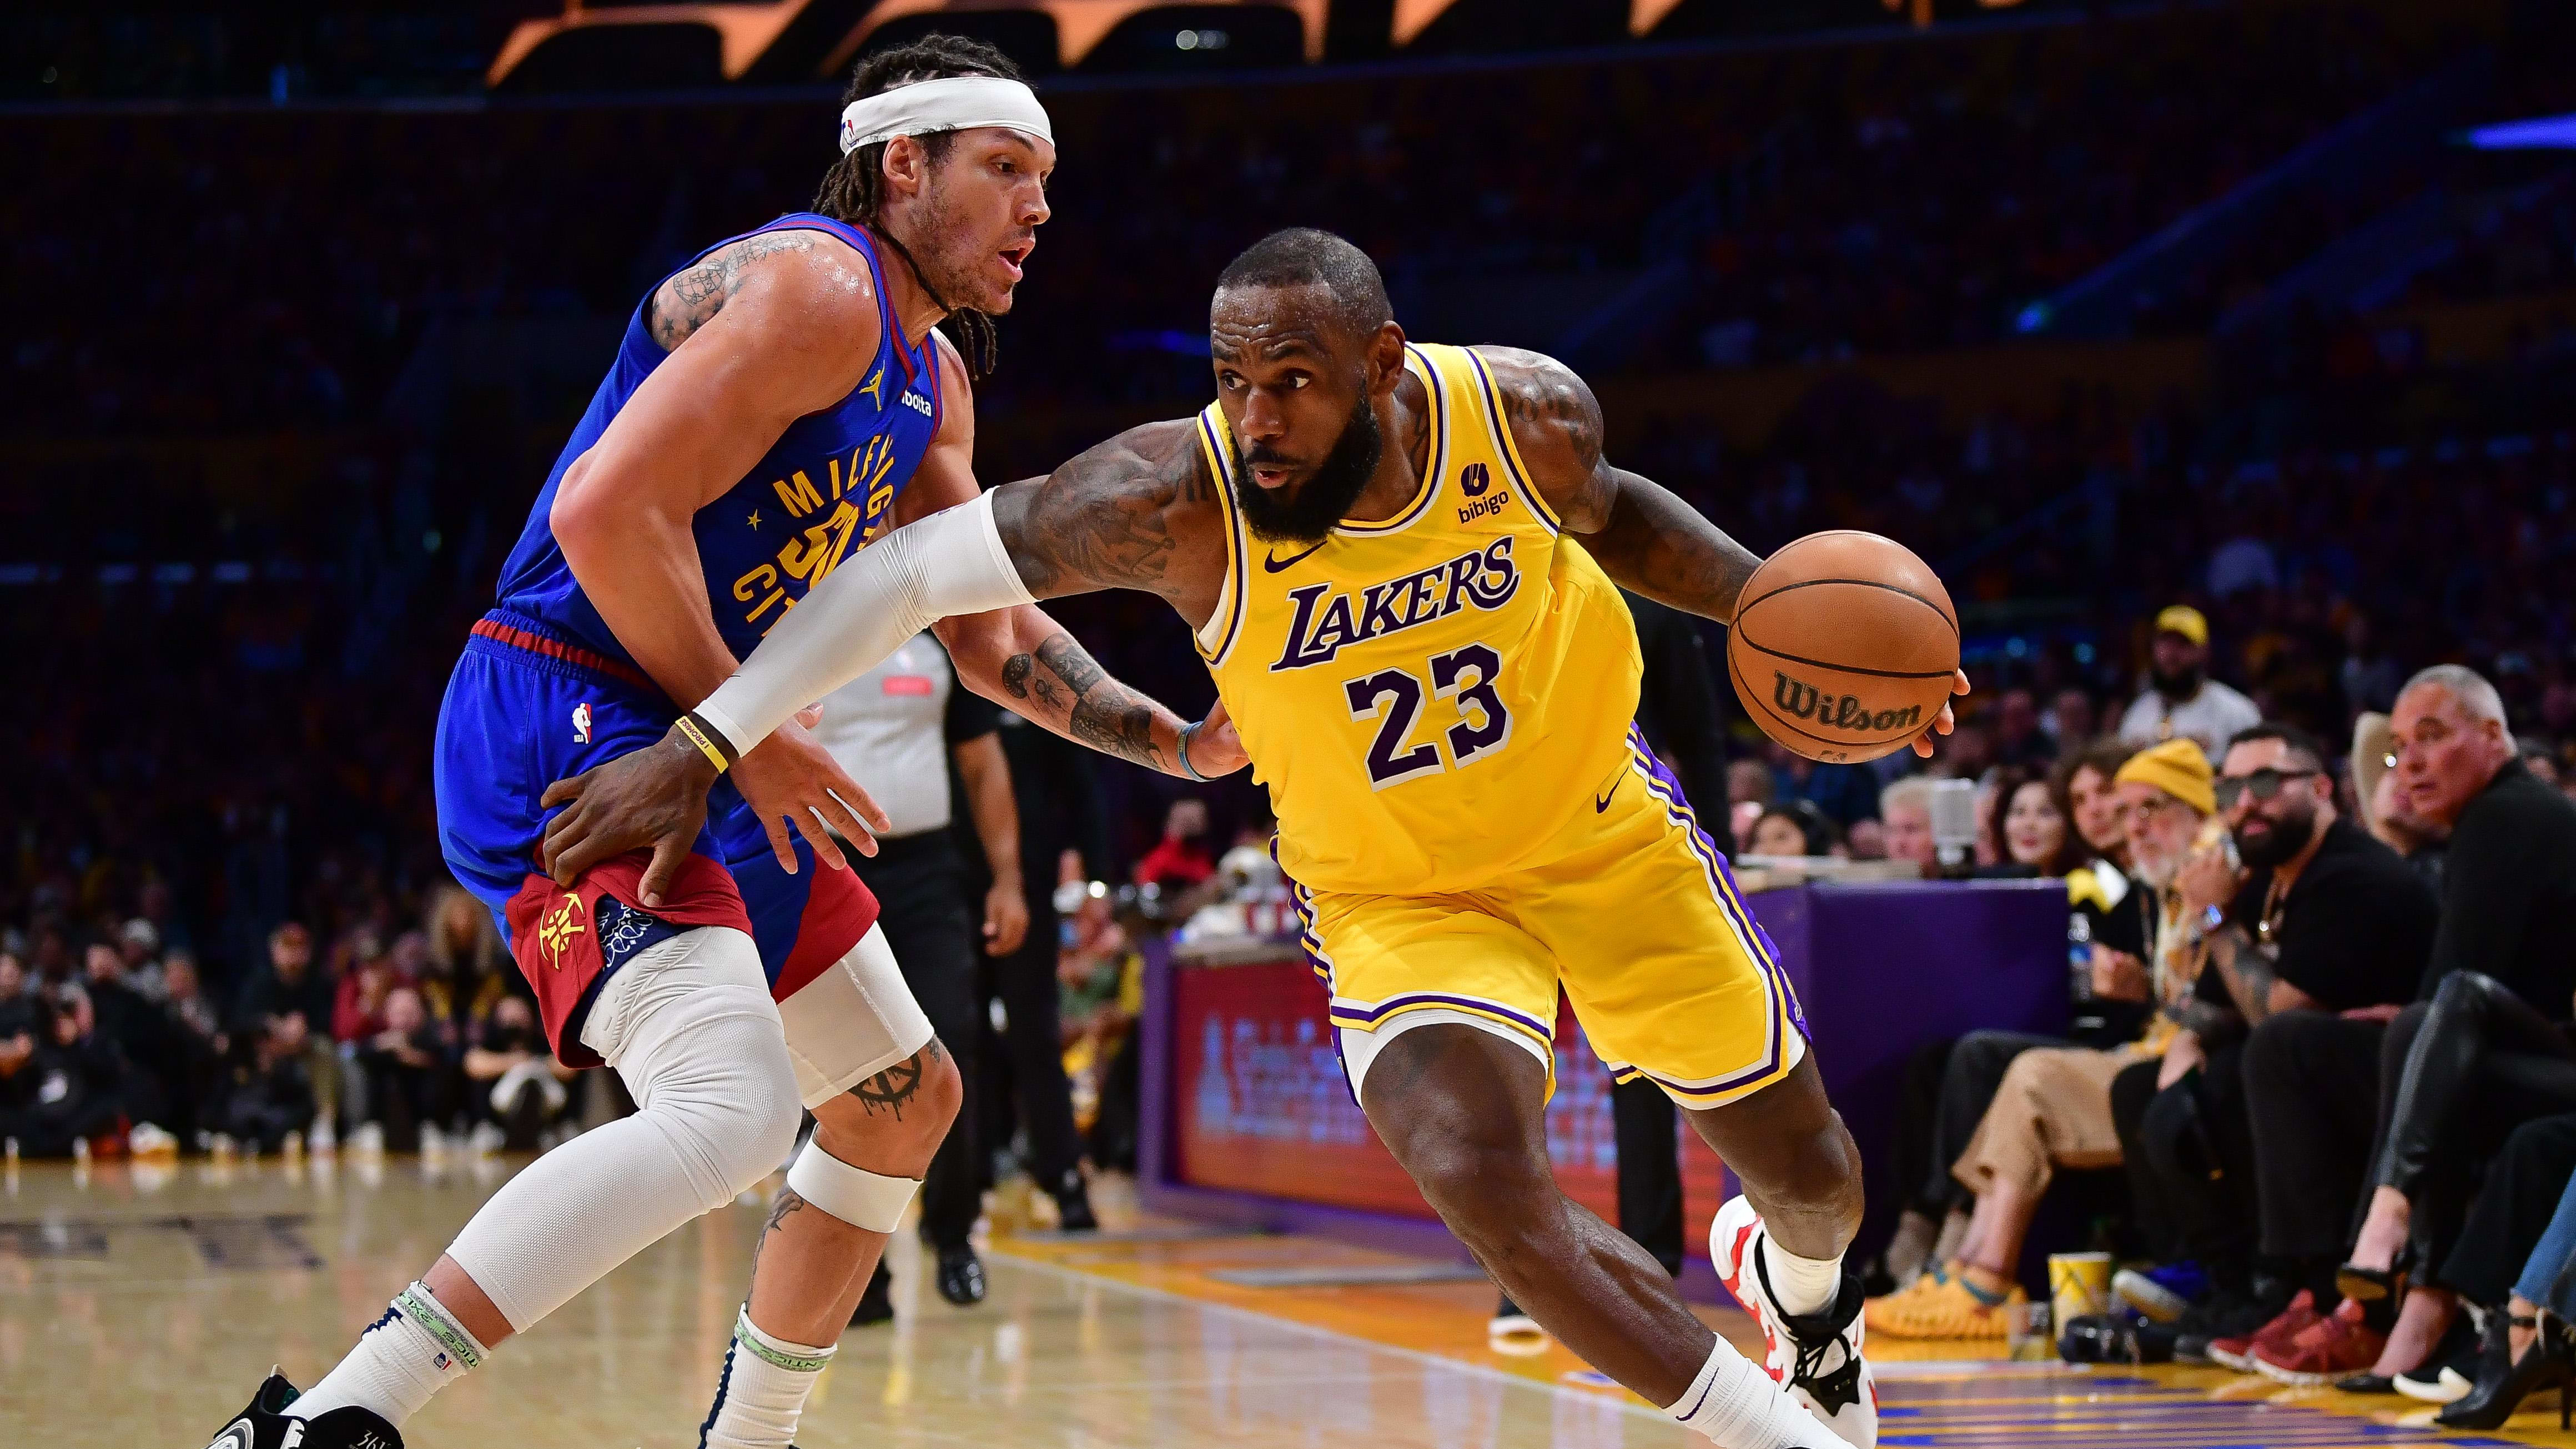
{"type": "Point", "coordinates": [2298, 1318]}
{"type": "Point", "coordinates": [2332, 1347]}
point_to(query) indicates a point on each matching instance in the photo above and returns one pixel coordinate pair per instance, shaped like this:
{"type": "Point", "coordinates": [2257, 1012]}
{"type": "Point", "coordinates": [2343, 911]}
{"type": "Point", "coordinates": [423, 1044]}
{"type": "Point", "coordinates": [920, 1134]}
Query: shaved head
{"type": "Point", "coordinates": [1304, 257]}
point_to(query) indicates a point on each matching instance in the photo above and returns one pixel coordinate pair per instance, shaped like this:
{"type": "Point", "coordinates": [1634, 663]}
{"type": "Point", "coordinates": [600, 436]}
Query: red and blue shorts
{"type": "Point", "coordinates": [526, 708]}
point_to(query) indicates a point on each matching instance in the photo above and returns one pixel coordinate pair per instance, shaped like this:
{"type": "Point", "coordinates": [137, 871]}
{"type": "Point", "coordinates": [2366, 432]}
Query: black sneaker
{"type": "Point", "coordinates": [264, 1424]}
{"type": "Point", "coordinates": [1073, 1212]}
{"type": "Point", "coordinates": [876, 1303]}
{"type": "Point", "coordinates": [961, 1276]}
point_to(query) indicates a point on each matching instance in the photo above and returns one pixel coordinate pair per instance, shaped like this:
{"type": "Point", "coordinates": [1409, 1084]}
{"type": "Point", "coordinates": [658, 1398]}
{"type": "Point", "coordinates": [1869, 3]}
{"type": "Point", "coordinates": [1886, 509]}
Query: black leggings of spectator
{"type": "Point", "coordinates": [2311, 1082]}
{"type": "Point", "coordinates": [2456, 1075]}
{"type": "Point", "coordinates": [2521, 1195]}
{"type": "Point", "coordinates": [2189, 1154]}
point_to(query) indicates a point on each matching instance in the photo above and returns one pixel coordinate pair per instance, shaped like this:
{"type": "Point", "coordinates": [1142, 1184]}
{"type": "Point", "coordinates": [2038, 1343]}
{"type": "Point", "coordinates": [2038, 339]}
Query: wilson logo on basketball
{"type": "Point", "coordinates": [1801, 700]}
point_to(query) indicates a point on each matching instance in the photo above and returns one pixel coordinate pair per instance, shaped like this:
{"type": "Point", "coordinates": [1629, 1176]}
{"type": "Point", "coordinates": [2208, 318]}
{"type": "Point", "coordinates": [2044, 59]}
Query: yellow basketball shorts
{"type": "Point", "coordinates": [1639, 923]}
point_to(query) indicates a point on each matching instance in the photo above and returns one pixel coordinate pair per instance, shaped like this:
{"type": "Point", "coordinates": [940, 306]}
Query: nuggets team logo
{"type": "Point", "coordinates": [581, 722]}
{"type": "Point", "coordinates": [558, 928]}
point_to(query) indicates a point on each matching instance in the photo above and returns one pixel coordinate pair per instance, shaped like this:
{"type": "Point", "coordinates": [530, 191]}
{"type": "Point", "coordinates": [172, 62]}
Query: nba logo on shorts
{"type": "Point", "coordinates": [581, 722]}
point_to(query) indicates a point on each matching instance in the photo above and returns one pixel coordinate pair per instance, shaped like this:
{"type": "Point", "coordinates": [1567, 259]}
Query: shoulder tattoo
{"type": "Point", "coordinates": [698, 292]}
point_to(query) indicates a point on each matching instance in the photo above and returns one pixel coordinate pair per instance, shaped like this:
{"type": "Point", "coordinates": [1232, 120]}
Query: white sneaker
{"type": "Point", "coordinates": [433, 1142]}
{"type": "Point", "coordinates": [323, 1139]}
{"type": "Point", "coordinates": [367, 1139]}
{"type": "Point", "coordinates": [1815, 1357]}
{"type": "Point", "coordinates": [485, 1139]}
{"type": "Point", "coordinates": [148, 1141]}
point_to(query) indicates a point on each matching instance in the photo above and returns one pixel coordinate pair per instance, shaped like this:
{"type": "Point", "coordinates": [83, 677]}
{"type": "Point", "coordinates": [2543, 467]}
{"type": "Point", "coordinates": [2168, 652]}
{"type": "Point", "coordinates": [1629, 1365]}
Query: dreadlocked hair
{"type": "Point", "coordinates": [854, 189]}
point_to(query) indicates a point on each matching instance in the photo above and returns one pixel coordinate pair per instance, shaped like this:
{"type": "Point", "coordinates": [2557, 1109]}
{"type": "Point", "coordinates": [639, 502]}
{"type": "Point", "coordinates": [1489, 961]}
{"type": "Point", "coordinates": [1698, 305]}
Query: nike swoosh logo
{"type": "Point", "coordinates": [1273, 563]}
{"type": "Point", "coordinates": [1602, 802]}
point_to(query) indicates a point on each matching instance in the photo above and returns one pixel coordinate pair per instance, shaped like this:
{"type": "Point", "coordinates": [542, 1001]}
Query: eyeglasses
{"type": "Point", "coordinates": [2263, 784]}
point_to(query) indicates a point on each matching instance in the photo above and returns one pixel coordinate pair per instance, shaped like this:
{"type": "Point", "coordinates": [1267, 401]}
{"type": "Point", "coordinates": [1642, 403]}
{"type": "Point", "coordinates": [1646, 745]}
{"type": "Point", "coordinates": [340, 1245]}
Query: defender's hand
{"type": "Point", "coordinates": [654, 797]}
{"type": "Point", "coordinates": [1945, 721]}
{"type": "Point", "coordinates": [788, 777]}
{"type": "Point", "coordinates": [1006, 918]}
{"type": "Point", "coordinates": [1216, 749]}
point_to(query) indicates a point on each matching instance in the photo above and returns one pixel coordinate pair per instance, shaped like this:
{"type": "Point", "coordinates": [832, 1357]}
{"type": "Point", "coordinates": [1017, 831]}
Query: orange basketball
{"type": "Point", "coordinates": [1843, 646]}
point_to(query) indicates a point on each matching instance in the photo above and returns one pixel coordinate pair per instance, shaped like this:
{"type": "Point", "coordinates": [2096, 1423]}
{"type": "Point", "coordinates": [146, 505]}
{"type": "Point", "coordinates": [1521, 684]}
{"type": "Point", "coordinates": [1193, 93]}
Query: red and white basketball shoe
{"type": "Point", "coordinates": [1815, 1356]}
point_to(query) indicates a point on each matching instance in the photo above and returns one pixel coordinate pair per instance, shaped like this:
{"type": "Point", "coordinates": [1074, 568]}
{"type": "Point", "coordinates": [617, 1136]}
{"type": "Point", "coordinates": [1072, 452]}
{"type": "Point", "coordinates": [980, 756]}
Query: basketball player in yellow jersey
{"type": "Point", "coordinates": [1376, 543]}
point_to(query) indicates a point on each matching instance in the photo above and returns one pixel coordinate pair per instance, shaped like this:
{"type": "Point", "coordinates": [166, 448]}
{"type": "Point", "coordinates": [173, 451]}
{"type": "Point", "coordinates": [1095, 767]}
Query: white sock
{"type": "Point", "coordinates": [412, 1352]}
{"type": "Point", "coordinates": [763, 1389]}
{"type": "Point", "coordinates": [1735, 1403]}
{"type": "Point", "coordinates": [1801, 1285]}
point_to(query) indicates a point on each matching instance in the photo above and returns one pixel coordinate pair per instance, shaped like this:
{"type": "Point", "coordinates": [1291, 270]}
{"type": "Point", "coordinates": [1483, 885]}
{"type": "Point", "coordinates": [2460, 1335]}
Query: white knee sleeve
{"type": "Point", "coordinates": [856, 1196]}
{"type": "Point", "coordinates": [690, 1026]}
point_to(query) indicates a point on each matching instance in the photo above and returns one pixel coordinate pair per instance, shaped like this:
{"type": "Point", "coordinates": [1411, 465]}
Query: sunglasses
{"type": "Point", "coordinates": [2263, 784]}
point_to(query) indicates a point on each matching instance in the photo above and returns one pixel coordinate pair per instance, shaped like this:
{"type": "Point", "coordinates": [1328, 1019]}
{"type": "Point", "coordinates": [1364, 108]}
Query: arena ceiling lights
{"type": "Point", "coordinates": [746, 31]}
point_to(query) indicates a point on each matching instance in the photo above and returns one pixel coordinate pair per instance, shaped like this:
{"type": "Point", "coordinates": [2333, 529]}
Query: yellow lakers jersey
{"type": "Point", "coordinates": [1432, 697]}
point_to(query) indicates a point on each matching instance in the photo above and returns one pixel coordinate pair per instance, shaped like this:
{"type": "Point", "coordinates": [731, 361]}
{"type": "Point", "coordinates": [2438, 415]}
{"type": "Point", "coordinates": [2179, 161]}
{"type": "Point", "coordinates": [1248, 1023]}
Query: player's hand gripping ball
{"type": "Point", "coordinates": [1845, 647]}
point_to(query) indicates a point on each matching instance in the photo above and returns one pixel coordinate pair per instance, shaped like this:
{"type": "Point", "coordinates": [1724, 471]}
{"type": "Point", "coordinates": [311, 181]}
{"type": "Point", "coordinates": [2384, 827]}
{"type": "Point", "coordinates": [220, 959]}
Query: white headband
{"type": "Point", "coordinates": [955, 103]}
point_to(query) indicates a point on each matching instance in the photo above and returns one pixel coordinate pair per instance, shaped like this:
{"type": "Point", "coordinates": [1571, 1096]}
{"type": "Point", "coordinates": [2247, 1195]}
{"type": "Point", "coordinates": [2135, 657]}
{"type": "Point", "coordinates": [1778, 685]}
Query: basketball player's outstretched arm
{"type": "Point", "coordinates": [1019, 657]}
{"type": "Point", "coordinates": [1135, 512]}
{"type": "Point", "coordinates": [1645, 538]}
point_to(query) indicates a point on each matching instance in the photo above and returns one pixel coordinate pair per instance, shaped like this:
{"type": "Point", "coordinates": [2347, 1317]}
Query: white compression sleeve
{"type": "Point", "coordinates": [952, 562]}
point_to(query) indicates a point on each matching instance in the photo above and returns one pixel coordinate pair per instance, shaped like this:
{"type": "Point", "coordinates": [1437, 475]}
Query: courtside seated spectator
{"type": "Point", "coordinates": [2181, 700]}
{"type": "Point", "coordinates": [2052, 1107]}
{"type": "Point", "coordinates": [1949, 1084]}
{"type": "Point", "coordinates": [2318, 919]}
{"type": "Point", "coordinates": [407, 1075]}
{"type": "Point", "coordinates": [197, 1044]}
{"type": "Point", "coordinates": [518, 1085]}
{"type": "Point", "coordinates": [270, 1095]}
{"type": "Point", "coordinates": [2483, 1050]}
{"type": "Point", "coordinates": [286, 1006]}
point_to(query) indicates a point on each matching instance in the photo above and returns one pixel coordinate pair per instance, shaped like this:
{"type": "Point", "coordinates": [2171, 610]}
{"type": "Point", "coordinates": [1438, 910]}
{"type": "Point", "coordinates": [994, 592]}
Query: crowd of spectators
{"type": "Point", "coordinates": [2322, 1024]}
{"type": "Point", "coordinates": [115, 1039]}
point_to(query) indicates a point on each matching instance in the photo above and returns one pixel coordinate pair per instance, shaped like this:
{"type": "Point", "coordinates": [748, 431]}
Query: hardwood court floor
{"type": "Point", "coordinates": [138, 1309]}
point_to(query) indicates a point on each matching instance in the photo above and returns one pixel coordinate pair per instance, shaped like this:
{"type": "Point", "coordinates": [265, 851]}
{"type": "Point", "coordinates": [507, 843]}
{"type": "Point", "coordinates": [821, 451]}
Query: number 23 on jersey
{"type": "Point", "coordinates": [1394, 697]}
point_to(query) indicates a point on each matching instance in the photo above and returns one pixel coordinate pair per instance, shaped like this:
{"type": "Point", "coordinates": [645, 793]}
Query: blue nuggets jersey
{"type": "Point", "coordinates": [545, 692]}
{"type": "Point", "coordinates": [826, 489]}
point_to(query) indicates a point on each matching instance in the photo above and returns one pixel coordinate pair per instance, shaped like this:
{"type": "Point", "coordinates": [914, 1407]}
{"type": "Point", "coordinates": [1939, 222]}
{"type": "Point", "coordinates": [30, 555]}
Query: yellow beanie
{"type": "Point", "coordinates": [2176, 767]}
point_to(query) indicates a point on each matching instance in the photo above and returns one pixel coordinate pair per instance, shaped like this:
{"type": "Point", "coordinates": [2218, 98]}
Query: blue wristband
{"type": "Point", "coordinates": [1187, 768]}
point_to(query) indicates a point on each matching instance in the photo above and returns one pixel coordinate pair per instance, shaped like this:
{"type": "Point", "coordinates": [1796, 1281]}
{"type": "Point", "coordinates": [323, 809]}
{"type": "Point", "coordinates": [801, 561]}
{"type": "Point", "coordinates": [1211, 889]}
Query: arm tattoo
{"type": "Point", "coordinates": [1102, 520]}
{"type": "Point", "coordinates": [691, 298]}
{"type": "Point", "coordinates": [893, 1089]}
{"type": "Point", "coordinates": [2246, 969]}
{"type": "Point", "coordinates": [1080, 697]}
{"type": "Point", "coordinates": [1644, 537]}
{"type": "Point", "coordinates": [788, 1202]}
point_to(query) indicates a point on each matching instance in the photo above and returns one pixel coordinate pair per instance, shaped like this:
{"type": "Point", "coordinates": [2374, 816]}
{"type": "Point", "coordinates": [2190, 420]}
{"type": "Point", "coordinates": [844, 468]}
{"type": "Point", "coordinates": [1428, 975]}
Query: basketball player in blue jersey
{"type": "Point", "coordinates": [776, 405]}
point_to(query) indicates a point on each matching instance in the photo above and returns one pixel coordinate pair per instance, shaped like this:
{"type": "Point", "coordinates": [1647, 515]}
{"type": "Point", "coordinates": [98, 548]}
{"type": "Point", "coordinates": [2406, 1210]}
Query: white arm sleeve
{"type": "Point", "coordinates": [952, 562]}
